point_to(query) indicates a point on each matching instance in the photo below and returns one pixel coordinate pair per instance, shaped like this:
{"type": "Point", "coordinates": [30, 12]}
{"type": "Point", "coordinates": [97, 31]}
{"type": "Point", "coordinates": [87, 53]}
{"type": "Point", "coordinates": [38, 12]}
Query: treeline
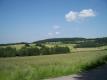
{"type": "Point", "coordinates": [14, 44]}
{"type": "Point", "coordinates": [8, 52]}
{"type": "Point", "coordinates": [66, 40]}
{"type": "Point", "coordinates": [32, 51]}
{"type": "Point", "coordinates": [102, 41]}
{"type": "Point", "coordinates": [75, 40]}
{"type": "Point", "coordinates": [92, 43]}
{"type": "Point", "coordinates": [63, 40]}
{"type": "Point", "coordinates": [87, 44]}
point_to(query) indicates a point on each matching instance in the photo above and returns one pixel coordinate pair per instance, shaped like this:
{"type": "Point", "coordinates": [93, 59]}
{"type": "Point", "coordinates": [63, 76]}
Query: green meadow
{"type": "Point", "coordinates": [48, 66]}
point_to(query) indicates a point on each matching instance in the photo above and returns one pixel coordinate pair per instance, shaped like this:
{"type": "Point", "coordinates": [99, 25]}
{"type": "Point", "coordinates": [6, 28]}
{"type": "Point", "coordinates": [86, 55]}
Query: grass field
{"type": "Point", "coordinates": [48, 66]}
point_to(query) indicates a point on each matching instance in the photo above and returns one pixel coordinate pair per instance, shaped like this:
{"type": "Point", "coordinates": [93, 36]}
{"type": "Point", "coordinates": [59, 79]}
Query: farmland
{"type": "Point", "coordinates": [29, 64]}
{"type": "Point", "coordinates": [47, 66]}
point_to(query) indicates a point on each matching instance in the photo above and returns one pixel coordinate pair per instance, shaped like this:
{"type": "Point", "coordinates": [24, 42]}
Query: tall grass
{"type": "Point", "coordinates": [42, 67]}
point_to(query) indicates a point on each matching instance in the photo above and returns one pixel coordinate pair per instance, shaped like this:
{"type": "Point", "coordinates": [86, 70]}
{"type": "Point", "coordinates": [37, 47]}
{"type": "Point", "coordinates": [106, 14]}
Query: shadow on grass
{"type": "Point", "coordinates": [100, 73]}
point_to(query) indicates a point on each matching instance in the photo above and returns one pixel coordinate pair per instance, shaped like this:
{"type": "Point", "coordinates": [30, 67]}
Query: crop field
{"type": "Point", "coordinates": [48, 66]}
{"type": "Point", "coordinates": [17, 46]}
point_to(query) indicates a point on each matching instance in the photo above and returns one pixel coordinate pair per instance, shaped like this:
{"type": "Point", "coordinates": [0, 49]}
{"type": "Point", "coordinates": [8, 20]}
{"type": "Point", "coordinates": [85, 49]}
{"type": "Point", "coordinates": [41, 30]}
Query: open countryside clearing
{"type": "Point", "coordinates": [48, 66]}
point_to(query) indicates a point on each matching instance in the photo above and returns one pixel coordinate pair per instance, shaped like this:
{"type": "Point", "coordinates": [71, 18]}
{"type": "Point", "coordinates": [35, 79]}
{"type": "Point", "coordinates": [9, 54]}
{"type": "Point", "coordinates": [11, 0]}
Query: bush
{"type": "Point", "coordinates": [8, 52]}
{"type": "Point", "coordinates": [88, 44]}
{"type": "Point", "coordinates": [45, 51]}
{"type": "Point", "coordinates": [59, 50]}
{"type": "Point", "coordinates": [27, 45]}
{"type": "Point", "coordinates": [28, 51]}
{"type": "Point", "coordinates": [32, 51]}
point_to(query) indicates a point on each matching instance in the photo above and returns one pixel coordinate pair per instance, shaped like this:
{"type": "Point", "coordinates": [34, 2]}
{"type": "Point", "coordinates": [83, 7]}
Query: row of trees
{"type": "Point", "coordinates": [88, 44]}
{"type": "Point", "coordinates": [8, 52]}
{"type": "Point", "coordinates": [32, 51]}
{"type": "Point", "coordinates": [13, 44]}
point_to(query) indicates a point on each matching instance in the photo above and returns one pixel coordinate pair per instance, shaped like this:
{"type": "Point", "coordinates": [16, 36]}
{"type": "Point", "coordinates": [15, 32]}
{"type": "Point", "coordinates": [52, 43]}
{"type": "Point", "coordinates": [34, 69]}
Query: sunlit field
{"type": "Point", "coordinates": [48, 66]}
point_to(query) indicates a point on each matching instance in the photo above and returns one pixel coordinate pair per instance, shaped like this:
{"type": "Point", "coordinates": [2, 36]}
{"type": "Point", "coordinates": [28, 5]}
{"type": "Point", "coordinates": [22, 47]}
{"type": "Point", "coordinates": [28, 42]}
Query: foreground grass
{"type": "Point", "coordinates": [40, 67]}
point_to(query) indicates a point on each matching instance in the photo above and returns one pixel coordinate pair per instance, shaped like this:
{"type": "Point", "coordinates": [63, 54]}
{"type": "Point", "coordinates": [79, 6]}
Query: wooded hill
{"type": "Point", "coordinates": [73, 40]}
{"type": "Point", "coordinates": [101, 41]}
{"type": "Point", "coordinates": [80, 42]}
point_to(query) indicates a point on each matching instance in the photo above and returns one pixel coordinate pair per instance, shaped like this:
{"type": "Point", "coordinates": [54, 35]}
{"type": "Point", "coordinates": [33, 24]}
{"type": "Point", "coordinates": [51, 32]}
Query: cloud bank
{"type": "Point", "coordinates": [83, 14]}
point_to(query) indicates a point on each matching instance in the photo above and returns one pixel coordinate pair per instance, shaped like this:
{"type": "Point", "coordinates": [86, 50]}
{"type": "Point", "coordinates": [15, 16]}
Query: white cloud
{"type": "Point", "coordinates": [56, 27]}
{"type": "Point", "coordinates": [53, 34]}
{"type": "Point", "coordinates": [71, 16]}
{"type": "Point", "coordinates": [85, 13]}
{"type": "Point", "coordinates": [57, 33]}
{"type": "Point", "coordinates": [50, 34]}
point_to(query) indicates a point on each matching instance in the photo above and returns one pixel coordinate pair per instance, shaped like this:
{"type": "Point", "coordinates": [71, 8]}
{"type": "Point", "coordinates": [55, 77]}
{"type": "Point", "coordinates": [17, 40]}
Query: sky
{"type": "Point", "coordinates": [32, 20]}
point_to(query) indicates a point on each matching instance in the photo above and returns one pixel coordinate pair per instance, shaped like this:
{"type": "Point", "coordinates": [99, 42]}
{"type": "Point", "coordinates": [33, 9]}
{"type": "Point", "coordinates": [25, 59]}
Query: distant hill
{"type": "Point", "coordinates": [66, 40]}
{"type": "Point", "coordinates": [74, 40]}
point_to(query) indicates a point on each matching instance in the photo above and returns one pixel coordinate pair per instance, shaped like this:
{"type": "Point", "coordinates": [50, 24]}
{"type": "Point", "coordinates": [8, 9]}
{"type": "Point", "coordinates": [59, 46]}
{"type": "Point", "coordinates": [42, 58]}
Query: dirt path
{"type": "Point", "coordinates": [99, 73]}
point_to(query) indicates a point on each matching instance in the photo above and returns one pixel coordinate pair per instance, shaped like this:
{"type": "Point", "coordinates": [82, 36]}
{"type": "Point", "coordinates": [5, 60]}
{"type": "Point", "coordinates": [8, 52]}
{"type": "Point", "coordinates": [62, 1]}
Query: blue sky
{"type": "Point", "coordinates": [31, 20]}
